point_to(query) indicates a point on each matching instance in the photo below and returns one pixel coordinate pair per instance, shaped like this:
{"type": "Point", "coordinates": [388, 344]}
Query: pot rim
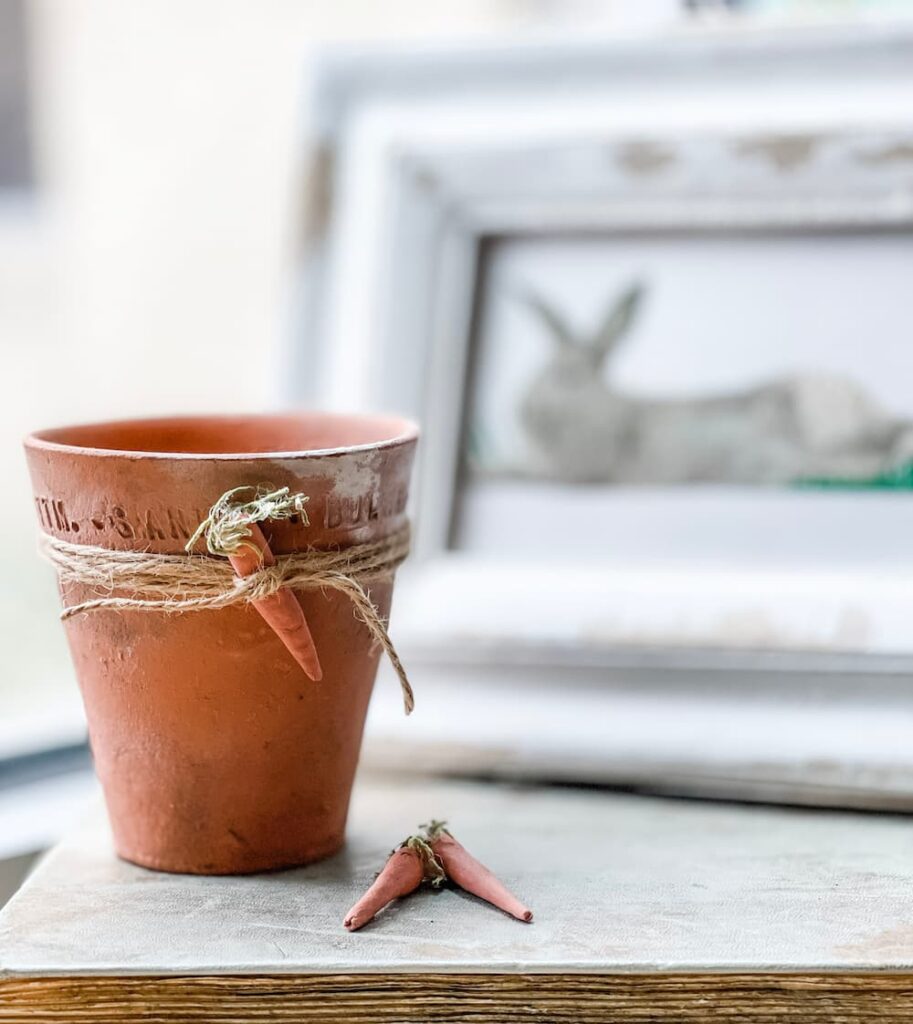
{"type": "Point", "coordinates": [403, 432]}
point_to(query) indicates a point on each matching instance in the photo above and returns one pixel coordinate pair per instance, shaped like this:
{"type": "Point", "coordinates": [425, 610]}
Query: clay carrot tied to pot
{"type": "Point", "coordinates": [433, 856]}
{"type": "Point", "coordinates": [411, 863]}
{"type": "Point", "coordinates": [231, 530]}
{"type": "Point", "coordinates": [463, 869]}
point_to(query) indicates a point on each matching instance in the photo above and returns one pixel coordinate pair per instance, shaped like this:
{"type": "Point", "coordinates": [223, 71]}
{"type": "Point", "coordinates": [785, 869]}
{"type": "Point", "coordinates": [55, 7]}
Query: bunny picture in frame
{"type": "Point", "coordinates": [687, 363]}
{"type": "Point", "coordinates": [781, 431]}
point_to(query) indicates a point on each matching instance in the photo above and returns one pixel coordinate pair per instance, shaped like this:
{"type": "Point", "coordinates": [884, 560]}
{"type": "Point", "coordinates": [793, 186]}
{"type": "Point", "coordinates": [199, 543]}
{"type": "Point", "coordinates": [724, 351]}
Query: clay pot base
{"type": "Point", "coordinates": [327, 849]}
{"type": "Point", "coordinates": [203, 726]}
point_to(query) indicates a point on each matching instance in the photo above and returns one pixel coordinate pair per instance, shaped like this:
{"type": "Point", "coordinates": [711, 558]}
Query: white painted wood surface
{"type": "Point", "coordinates": [773, 736]}
{"type": "Point", "coordinates": [617, 883]}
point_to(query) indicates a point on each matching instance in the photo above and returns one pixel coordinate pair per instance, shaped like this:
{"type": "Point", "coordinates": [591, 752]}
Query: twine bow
{"type": "Point", "coordinates": [187, 583]}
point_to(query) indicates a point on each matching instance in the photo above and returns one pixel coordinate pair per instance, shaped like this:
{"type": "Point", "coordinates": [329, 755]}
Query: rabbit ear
{"type": "Point", "coordinates": [619, 319]}
{"type": "Point", "coordinates": [553, 320]}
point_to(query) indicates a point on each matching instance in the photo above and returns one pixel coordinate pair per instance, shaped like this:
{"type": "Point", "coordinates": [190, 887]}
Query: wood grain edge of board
{"type": "Point", "coordinates": [477, 998]}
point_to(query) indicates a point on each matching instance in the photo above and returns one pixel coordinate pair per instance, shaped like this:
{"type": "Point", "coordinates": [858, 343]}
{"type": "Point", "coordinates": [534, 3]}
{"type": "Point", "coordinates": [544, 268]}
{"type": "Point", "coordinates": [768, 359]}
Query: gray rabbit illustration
{"type": "Point", "coordinates": [585, 430]}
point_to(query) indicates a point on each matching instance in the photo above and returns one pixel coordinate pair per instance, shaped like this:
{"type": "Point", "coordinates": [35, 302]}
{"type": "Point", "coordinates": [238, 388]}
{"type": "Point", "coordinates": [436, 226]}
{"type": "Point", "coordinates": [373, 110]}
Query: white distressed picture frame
{"type": "Point", "coordinates": [424, 156]}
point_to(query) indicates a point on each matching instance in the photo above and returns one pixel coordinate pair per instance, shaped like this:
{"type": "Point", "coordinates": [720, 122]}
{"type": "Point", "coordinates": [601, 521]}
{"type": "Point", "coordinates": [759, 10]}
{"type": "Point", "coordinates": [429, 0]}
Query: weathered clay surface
{"type": "Point", "coordinates": [216, 753]}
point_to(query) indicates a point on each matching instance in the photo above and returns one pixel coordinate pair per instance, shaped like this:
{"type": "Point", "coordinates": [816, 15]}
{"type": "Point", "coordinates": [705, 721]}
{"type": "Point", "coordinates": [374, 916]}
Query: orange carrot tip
{"type": "Point", "coordinates": [410, 864]}
{"type": "Point", "coordinates": [402, 874]}
{"type": "Point", "coordinates": [469, 874]}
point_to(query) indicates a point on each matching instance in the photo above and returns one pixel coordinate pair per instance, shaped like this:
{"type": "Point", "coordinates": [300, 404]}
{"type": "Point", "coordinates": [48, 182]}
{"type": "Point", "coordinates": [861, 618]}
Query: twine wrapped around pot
{"type": "Point", "coordinates": [146, 581]}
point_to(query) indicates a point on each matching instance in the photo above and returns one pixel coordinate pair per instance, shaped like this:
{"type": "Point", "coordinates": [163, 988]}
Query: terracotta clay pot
{"type": "Point", "coordinates": [217, 755]}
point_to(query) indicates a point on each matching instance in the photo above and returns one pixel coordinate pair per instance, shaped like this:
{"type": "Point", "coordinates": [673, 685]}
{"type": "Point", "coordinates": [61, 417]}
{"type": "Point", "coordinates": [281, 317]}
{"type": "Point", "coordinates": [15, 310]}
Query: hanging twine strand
{"type": "Point", "coordinates": [188, 583]}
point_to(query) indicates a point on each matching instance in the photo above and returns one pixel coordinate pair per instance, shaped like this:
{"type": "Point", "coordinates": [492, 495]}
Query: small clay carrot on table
{"type": "Point", "coordinates": [406, 868]}
{"type": "Point", "coordinates": [231, 530]}
{"type": "Point", "coordinates": [463, 869]}
{"type": "Point", "coordinates": [433, 856]}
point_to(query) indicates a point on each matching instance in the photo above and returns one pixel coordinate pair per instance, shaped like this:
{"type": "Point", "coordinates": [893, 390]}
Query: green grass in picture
{"type": "Point", "coordinates": [898, 479]}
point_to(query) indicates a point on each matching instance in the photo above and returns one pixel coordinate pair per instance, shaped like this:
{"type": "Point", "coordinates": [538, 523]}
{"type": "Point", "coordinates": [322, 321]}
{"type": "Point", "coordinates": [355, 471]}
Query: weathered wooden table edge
{"type": "Point", "coordinates": [456, 998]}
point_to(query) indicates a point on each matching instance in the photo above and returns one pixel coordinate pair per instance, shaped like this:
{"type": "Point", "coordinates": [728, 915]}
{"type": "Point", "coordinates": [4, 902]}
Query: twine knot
{"type": "Point", "coordinates": [265, 582]}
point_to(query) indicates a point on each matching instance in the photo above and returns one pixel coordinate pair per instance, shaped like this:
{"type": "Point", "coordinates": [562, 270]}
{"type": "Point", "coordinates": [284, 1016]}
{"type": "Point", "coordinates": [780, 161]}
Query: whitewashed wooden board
{"type": "Point", "coordinates": [619, 884]}
{"type": "Point", "coordinates": [837, 737]}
